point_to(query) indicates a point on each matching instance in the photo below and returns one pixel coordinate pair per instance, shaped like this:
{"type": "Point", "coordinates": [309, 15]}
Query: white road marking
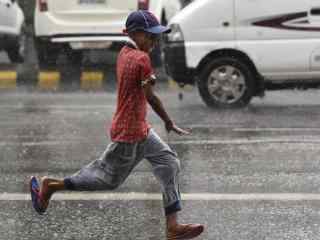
{"type": "Point", "coordinates": [41, 143]}
{"type": "Point", "coordinates": [57, 107]}
{"type": "Point", "coordinates": [87, 196]}
{"type": "Point", "coordinates": [246, 141]}
{"type": "Point", "coordinates": [275, 129]}
{"type": "Point", "coordinates": [182, 142]}
{"type": "Point", "coordinates": [254, 129]}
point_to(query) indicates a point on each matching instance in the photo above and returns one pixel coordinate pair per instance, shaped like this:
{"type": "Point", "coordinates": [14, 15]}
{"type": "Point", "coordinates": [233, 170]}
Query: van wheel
{"type": "Point", "coordinates": [16, 52]}
{"type": "Point", "coordinates": [74, 56]}
{"type": "Point", "coordinates": [47, 53]}
{"type": "Point", "coordinates": [226, 82]}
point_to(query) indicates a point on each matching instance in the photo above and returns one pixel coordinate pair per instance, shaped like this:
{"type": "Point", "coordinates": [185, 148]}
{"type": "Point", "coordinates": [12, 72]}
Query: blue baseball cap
{"type": "Point", "coordinates": [143, 20]}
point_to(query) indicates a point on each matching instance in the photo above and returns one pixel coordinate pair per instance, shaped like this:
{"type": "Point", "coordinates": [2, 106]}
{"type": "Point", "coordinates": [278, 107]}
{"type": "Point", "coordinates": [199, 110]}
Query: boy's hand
{"type": "Point", "coordinates": [170, 126]}
{"type": "Point", "coordinates": [157, 106]}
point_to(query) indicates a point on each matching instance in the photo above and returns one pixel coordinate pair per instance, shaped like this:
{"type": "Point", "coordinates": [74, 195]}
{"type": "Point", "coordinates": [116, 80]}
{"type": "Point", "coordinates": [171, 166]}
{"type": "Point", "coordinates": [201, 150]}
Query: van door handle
{"type": "Point", "coordinates": [315, 11]}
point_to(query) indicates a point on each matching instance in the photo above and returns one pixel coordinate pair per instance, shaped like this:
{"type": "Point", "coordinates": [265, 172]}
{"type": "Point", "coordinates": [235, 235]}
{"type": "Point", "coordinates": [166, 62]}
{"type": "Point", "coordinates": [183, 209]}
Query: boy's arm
{"type": "Point", "coordinates": [158, 107]}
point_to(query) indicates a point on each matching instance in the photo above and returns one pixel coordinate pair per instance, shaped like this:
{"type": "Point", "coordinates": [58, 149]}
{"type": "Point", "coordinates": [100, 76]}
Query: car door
{"type": "Point", "coordinates": [313, 22]}
{"type": "Point", "coordinates": [276, 35]}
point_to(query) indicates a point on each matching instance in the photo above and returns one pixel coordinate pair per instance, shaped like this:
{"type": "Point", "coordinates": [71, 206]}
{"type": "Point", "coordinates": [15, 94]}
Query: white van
{"type": "Point", "coordinates": [12, 31]}
{"type": "Point", "coordinates": [73, 25]}
{"type": "Point", "coordinates": [233, 49]}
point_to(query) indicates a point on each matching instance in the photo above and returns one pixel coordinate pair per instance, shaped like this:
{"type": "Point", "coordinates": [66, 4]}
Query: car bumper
{"type": "Point", "coordinates": [85, 41]}
{"type": "Point", "coordinates": [7, 41]}
{"type": "Point", "coordinates": [175, 63]}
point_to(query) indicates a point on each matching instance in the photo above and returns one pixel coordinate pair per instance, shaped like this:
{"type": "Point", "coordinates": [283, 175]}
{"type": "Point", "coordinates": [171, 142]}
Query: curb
{"type": "Point", "coordinates": [8, 79]}
{"type": "Point", "coordinates": [55, 80]}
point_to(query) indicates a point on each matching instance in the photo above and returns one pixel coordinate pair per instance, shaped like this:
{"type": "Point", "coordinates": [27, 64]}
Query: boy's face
{"type": "Point", "coordinates": [146, 41]}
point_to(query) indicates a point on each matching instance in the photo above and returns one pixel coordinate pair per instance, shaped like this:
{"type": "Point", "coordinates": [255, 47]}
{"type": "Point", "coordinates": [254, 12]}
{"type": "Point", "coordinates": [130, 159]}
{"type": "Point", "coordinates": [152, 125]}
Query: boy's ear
{"type": "Point", "coordinates": [132, 35]}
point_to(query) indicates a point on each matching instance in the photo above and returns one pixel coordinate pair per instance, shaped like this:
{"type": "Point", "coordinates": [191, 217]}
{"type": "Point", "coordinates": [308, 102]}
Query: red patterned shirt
{"type": "Point", "coordinates": [129, 123]}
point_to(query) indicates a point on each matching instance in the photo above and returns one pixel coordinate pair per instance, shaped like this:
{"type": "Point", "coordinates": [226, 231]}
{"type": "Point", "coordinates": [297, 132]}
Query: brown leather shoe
{"type": "Point", "coordinates": [183, 231]}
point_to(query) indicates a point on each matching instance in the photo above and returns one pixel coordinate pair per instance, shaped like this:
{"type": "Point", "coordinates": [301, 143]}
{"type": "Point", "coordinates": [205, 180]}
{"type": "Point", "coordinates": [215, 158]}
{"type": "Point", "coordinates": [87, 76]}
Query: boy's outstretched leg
{"type": "Point", "coordinates": [104, 174]}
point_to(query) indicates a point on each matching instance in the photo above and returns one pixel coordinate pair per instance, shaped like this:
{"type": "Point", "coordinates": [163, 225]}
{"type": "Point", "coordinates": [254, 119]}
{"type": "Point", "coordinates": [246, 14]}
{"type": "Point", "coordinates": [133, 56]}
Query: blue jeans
{"type": "Point", "coordinates": [118, 161]}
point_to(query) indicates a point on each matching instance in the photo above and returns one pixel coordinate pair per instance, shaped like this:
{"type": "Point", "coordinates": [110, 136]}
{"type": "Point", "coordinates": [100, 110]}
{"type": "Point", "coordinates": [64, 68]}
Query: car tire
{"type": "Point", "coordinates": [74, 56]}
{"type": "Point", "coordinates": [16, 51]}
{"type": "Point", "coordinates": [47, 53]}
{"type": "Point", "coordinates": [226, 82]}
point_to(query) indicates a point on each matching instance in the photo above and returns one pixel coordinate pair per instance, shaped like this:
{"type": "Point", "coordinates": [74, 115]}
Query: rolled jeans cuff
{"type": "Point", "coordinates": [175, 207]}
{"type": "Point", "coordinates": [68, 184]}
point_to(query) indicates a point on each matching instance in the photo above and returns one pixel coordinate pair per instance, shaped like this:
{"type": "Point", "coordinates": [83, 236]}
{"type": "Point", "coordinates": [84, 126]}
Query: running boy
{"type": "Point", "coordinates": [132, 137]}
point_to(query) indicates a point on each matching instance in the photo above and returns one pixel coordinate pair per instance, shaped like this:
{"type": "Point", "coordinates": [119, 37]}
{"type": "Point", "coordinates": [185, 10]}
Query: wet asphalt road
{"type": "Point", "coordinates": [270, 147]}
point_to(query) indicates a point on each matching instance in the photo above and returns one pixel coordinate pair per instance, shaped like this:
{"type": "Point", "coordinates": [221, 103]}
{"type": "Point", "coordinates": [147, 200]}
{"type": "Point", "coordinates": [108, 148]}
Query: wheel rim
{"type": "Point", "coordinates": [226, 84]}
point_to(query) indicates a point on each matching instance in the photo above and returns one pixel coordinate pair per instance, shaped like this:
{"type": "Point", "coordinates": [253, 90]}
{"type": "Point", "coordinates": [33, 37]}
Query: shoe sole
{"type": "Point", "coordinates": [33, 184]}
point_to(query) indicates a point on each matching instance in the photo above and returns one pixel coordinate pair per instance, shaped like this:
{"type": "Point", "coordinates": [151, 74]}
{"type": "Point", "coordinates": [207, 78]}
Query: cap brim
{"type": "Point", "coordinates": [158, 29]}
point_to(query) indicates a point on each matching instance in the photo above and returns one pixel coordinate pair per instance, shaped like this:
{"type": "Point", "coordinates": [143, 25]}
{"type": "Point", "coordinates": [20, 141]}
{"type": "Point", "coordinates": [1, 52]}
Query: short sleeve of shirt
{"type": "Point", "coordinates": [145, 66]}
